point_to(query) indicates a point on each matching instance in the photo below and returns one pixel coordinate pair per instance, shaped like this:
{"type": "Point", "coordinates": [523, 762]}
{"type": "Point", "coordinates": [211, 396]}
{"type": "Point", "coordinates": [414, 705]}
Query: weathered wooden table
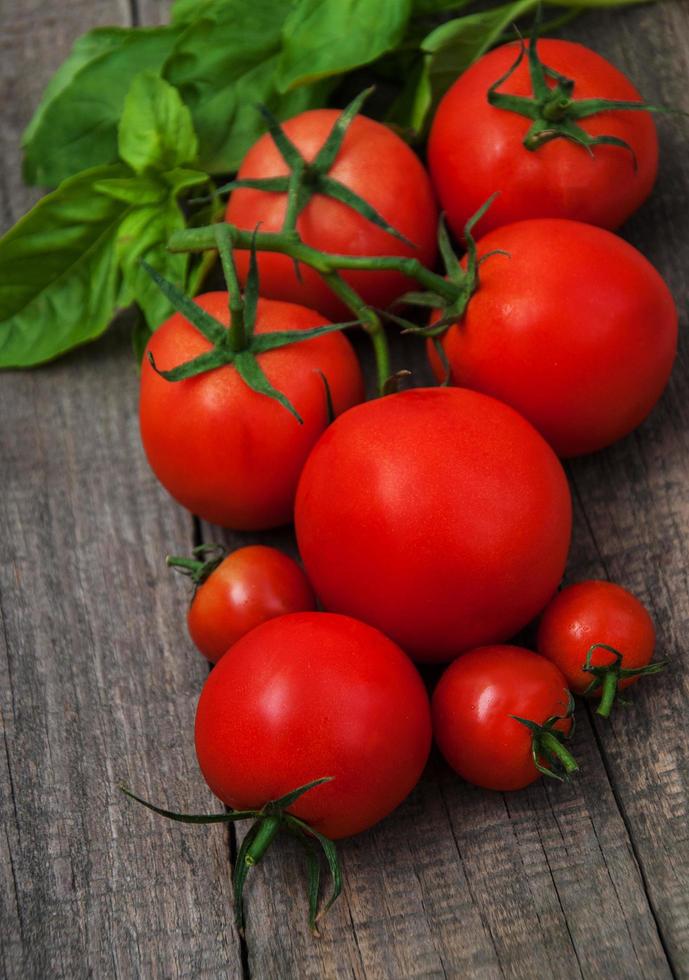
{"type": "Point", "coordinates": [98, 680]}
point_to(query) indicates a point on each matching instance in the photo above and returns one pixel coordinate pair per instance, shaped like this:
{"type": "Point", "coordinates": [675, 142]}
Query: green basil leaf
{"type": "Point", "coordinates": [142, 190]}
{"type": "Point", "coordinates": [421, 8]}
{"type": "Point", "coordinates": [327, 37]}
{"type": "Point", "coordinates": [187, 11]}
{"type": "Point", "coordinates": [85, 49]}
{"type": "Point", "coordinates": [76, 128]}
{"type": "Point", "coordinates": [453, 46]}
{"type": "Point", "coordinates": [412, 106]}
{"type": "Point", "coordinates": [224, 65]}
{"type": "Point", "coordinates": [143, 234]}
{"type": "Point", "coordinates": [59, 277]}
{"type": "Point", "coordinates": [155, 130]}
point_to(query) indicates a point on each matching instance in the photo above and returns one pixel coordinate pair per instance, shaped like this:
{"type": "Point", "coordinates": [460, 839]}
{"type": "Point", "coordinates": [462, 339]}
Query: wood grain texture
{"type": "Point", "coordinates": [96, 682]}
{"type": "Point", "coordinates": [633, 504]}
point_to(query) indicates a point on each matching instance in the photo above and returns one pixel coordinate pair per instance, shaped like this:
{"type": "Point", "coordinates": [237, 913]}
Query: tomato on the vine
{"type": "Point", "coordinates": [227, 453]}
{"type": "Point", "coordinates": [573, 327]}
{"type": "Point", "coordinates": [476, 148]}
{"type": "Point", "coordinates": [313, 695]}
{"type": "Point", "coordinates": [238, 592]}
{"type": "Point", "coordinates": [375, 164]}
{"type": "Point", "coordinates": [601, 638]}
{"type": "Point", "coordinates": [438, 515]}
{"type": "Point", "coordinates": [499, 714]}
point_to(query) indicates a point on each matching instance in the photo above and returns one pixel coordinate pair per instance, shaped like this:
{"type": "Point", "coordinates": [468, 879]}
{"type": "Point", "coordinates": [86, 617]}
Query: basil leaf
{"type": "Point", "coordinates": [155, 130]}
{"type": "Point", "coordinates": [58, 271]}
{"type": "Point", "coordinates": [422, 8]}
{"type": "Point", "coordinates": [327, 37]}
{"type": "Point", "coordinates": [223, 65]}
{"type": "Point", "coordinates": [412, 106]}
{"type": "Point", "coordinates": [187, 11]}
{"type": "Point", "coordinates": [85, 49]}
{"type": "Point", "coordinates": [143, 234]}
{"type": "Point", "coordinates": [76, 128]}
{"type": "Point", "coordinates": [453, 46]}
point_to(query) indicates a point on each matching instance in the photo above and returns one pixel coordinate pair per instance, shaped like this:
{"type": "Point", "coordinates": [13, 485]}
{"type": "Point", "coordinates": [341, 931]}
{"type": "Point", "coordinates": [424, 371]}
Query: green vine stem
{"type": "Point", "coordinates": [329, 266]}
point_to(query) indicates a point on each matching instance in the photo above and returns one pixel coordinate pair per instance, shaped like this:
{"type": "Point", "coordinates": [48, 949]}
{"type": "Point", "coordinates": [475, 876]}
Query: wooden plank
{"type": "Point", "coordinates": [97, 684]}
{"type": "Point", "coordinates": [461, 882]}
{"type": "Point", "coordinates": [633, 506]}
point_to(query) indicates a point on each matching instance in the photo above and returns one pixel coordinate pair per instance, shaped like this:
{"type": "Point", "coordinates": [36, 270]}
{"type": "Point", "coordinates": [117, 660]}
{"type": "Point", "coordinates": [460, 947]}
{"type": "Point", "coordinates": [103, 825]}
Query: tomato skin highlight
{"type": "Point", "coordinates": [226, 453]}
{"type": "Point", "coordinates": [471, 709]}
{"type": "Point", "coordinates": [377, 165]}
{"type": "Point", "coordinates": [575, 329]}
{"type": "Point", "coordinates": [250, 586]}
{"type": "Point", "coordinates": [310, 695]}
{"type": "Point", "coordinates": [438, 515]}
{"type": "Point", "coordinates": [475, 149]}
{"type": "Point", "coordinates": [595, 612]}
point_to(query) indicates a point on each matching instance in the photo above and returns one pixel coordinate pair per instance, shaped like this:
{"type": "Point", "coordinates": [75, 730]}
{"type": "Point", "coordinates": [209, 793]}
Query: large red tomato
{"type": "Point", "coordinates": [311, 695]}
{"type": "Point", "coordinates": [573, 327]}
{"type": "Point", "coordinates": [374, 163]}
{"type": "Point", "coordinates": [438, 515]}
{"type": "Point", "coordinates": [476, 149]}
{"type": "Point", "coordinates": [227, 453]}
{"type": "Point", "coordinates": [476, 707]}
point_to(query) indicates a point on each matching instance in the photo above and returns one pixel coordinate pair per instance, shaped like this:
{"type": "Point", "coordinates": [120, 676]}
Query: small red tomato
{"type": "Point", "coordinates": [601, 638]}
{"type": "Point", "coordinates": [314, 695]}
{"type": "Point", "coordinates": [499, 714]}
{"type": "Point", "coordinates": [573, 327]}
{"type": "Point", "coordinates": [475, 148]}
{"type": "Point", "coordinates": [229, 454]}
{"type": "Point", "coordinates": [243, 590]}
{"type": "Point", "coordinates": [375, 164]}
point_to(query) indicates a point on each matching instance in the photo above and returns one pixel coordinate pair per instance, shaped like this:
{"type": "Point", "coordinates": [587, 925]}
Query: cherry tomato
{"type": "Point", "coordinates": [591, 613]}
{"type": "Point", "coordinates": [476, 149]}
{"type": "Point", "coordinates": [310, 695]}
{"type": "Point", "coordinates": [438, 515]}
{"type": "Point", "coordinates": [574, 328]}
{"type": "Point", "coordinates": [229, 454]}
{"type": "Point", "coordinates": [475, 709]}
{"type": "Point", "coordinates": [248, 587]}
{"type": "Point", "coordinates": [374, 163]}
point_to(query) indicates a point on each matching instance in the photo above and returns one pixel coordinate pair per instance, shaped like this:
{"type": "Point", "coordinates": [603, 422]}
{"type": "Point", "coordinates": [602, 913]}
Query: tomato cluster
{"type": "Point", "coordinates": [433, 523]}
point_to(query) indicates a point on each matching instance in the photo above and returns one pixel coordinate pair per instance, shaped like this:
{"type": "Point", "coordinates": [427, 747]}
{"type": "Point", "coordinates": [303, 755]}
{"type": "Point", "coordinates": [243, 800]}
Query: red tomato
{"type": "Point", "coordinates": [438, 515]}
{"type": "Point", "coordinates": [374, 163]}
{"type": "Point", "coordinates": [227, 453]}
{"type": "Point", "coordinates": [575, 329]}
{"type": "Point", "coordinates": [250, 586]}
{"type": "Point", "coordinates": [311, 695]}
{"type": "Point", "coordinates": [472, 708]}
{"type": "Point", "coordinates": [596, 612]}
{"type": "Point", "coordinates": [476, 149]}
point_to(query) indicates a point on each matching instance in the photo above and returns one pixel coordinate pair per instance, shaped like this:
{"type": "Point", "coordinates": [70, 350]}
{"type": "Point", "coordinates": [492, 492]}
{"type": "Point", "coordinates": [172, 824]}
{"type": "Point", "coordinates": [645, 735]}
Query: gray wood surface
{"type": "Point", "coordinates": [98, 680]}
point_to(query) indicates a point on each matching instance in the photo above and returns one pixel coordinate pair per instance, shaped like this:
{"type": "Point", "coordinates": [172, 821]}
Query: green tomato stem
{"type": "Point", "coordinates": [267, 833]}
{"type": "Point", "coordinates": [549, 743]}
{"type": "Point", "coordinates": [609, 693]}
